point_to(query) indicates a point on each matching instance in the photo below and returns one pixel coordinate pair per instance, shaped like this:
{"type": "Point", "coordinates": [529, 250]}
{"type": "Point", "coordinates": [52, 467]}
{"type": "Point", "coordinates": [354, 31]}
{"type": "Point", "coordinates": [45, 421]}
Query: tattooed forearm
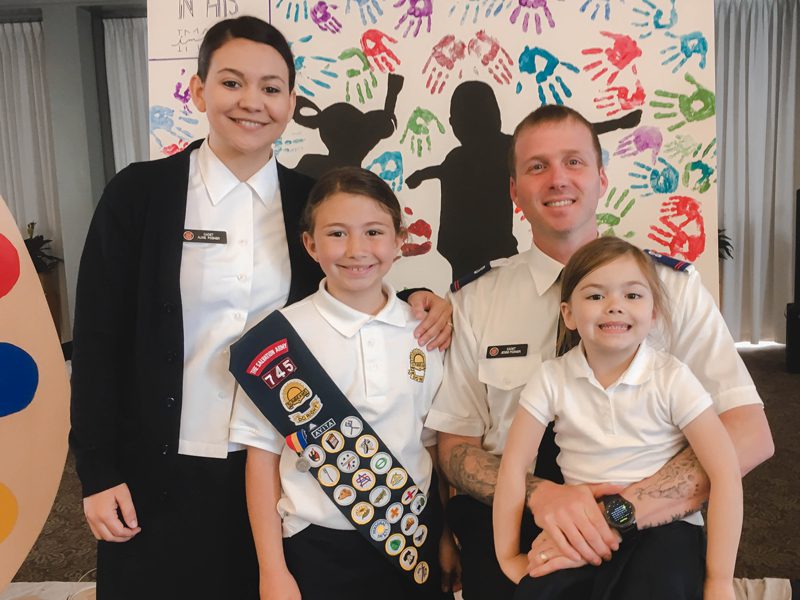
{"type": "Point", "coordinates": [473, 471]}
{"type": "Point", "coordinates": [673, 518]}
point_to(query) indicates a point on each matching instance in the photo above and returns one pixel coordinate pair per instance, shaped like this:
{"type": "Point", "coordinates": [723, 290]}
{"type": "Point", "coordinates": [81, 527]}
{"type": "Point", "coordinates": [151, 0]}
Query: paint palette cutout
{"type": "Point", "coordinates": [34, 402]}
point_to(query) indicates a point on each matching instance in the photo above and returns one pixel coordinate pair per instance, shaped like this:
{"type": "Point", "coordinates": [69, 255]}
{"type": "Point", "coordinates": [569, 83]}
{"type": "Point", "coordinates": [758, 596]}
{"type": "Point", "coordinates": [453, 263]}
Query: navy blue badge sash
{"type": "Point", "coordinates": [334, 443]}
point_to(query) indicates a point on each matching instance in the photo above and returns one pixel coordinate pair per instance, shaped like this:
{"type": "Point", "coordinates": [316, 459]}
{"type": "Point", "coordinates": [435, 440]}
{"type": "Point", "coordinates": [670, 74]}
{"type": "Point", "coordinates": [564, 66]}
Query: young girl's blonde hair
{"type": "Point", "coordinates": [594, 255]}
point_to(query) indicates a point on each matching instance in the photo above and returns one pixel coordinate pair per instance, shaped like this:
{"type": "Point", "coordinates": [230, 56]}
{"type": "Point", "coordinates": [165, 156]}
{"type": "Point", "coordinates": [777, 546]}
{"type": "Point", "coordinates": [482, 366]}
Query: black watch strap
{"type": "Point", "coordinates": [620, 515]}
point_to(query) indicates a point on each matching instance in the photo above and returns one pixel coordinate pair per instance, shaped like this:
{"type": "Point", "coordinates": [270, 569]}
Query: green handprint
{"type": "Point", "coordinates": [367, 84]}
{"type": "Point", "coordinates": [614, 216]}
{"type": "Point", "coordinates": [684, 147]}
{"type": "Point", "coordinates": [704, 182]}
{"type": "Point", "coordinates": [700, 105]}
{"type": "Point", "coordinates": [419, 125]}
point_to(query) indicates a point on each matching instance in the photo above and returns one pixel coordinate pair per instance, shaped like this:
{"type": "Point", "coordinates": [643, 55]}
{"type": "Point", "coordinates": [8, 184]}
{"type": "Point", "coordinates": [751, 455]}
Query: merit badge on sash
{"type": "Point", "coordinates": [416, 369]}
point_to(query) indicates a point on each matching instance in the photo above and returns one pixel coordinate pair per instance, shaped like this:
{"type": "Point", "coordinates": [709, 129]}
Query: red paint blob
{"type": "Point", "coordinates": [408, 211]}
{"type": "Point", "coordinates": [410, 249]}
{"type": "Point", "coordinates": [9, 265]}
{"type": "Point", "coordinates": [420, 228]}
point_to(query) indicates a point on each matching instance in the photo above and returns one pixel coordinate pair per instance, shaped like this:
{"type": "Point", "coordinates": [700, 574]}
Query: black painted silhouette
{"type": "Point", "coordinates": [476, 216]}
{"type": "Point", "coordinates": [348, 134]}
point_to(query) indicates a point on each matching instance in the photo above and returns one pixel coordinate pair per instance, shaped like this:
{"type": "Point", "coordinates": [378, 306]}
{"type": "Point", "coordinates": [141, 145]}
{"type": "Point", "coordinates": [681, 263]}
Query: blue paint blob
{"type": "Point", "coordinates": [19, 378]}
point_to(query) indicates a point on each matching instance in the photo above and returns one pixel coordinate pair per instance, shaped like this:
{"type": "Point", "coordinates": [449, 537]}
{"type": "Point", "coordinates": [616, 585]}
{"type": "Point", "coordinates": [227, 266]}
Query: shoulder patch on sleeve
{"type": "Point", "coordinates": [669, 261]}
{"type": "Point", "coordinates": [470, 277]}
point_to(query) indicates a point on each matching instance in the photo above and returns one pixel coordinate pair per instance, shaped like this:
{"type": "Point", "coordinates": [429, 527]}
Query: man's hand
{"type": "Point", "coordinates": [436, 328]}
{"type": "Point", "coordinates": [545, 557]}
{"type": "Point", "coordinates": [101, 514]}
{"type": "Point", "coordinates": [573, 520]}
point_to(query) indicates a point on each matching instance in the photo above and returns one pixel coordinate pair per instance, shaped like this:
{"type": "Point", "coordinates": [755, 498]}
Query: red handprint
{"type": "Point", "coordinates": [684, 231]}
{"type": "Point", "coordinates": [620, 98]}
{"type": "Point", "coordinates": [378, 52]}
{"type": "Point", "coordinates": [445, 54]}
{"type": "Point", "coordinates": [492, 56]}
{"type": "Point", "coordinates": [619, 56]}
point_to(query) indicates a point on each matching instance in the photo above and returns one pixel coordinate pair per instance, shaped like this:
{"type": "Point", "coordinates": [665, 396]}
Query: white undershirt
{"type": "Point", "coordinates": [223, 293]}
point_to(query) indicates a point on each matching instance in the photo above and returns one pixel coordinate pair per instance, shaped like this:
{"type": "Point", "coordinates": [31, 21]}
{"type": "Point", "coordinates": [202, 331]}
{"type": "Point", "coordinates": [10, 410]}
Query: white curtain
{"type": "Point", "coordinates": [126, 71]}
{"type": "Point", "coordinates": [27, 174]}
{"type": "Point", "coordinates": [757, 105]}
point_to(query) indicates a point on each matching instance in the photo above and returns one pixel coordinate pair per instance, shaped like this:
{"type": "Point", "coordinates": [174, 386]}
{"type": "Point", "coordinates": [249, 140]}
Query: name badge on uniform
{"type": "Point", "coordinates": [507, 351]}
{"type": "Point", "coordinates": [204, 236]}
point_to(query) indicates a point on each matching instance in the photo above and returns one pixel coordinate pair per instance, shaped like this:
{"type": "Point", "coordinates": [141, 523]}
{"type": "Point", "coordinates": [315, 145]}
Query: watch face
{"type": "Point", "coordinates": [619, 511]}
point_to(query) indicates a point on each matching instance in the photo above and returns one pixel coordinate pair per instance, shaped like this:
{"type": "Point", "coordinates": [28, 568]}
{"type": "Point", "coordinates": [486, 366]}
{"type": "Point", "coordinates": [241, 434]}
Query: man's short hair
{"type": "Point", "coordinates": [551, 113]}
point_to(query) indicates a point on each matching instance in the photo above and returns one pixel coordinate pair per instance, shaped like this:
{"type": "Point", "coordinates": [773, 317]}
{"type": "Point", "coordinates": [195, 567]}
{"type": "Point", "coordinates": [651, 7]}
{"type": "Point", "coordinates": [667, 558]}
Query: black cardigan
{"type": "Point", "coordinates": [127, 365]}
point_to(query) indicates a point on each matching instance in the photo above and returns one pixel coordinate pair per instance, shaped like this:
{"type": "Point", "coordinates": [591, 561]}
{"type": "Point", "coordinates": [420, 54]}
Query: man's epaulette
{"type": "Point", "coordinates": [668, 261]}
{"type": "Point", "coordinates": [462, 281]}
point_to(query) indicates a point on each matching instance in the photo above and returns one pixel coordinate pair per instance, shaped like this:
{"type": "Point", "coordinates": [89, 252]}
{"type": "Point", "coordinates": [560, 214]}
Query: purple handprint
{"type": "Point", "coordinates": [642, 139]}
{"type": "Point", "coordinates": [324, 19]}
{"type": "Point", "coordinates": [417, 12]}
{"type": "Point", "coordinates": [533, 6]}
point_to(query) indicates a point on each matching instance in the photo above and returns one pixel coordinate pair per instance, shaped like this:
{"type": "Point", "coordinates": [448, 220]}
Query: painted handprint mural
{"type": "Point", "coordinates": [426, 94]}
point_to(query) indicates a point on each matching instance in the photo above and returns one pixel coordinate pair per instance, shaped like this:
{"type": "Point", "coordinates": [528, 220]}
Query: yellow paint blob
{"type": "Point", "coordinates": [9, 510]}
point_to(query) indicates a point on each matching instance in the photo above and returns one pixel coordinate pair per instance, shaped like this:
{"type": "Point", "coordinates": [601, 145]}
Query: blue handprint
{"type": "Point", "coordinates": [527, 64]}
{"type": "Point", "coordinates": [161, 119]}
{"type": "Point", "coordinates": [293, 9]}
{"type": "Point", "coordinates": [654, 19]}
{"type": "Point", "coordinates": [658, 181]}
{"type": "Point", "coordinates": [311, 69]}
{"type": "Point", "coordinates": [689, 45]}
{"type": "Point", "coordinates": [493, 8]}
{"type": "Point", "coordinates": [367, 9]}
{"type": "Point", "coordinates": [704, 181]}
{"type": "Point", "coordinates": [390, 169]}
{"type": "Point", "coordinates": [606, 5]}
{"type": "Point", "coordinates": [287, 145]}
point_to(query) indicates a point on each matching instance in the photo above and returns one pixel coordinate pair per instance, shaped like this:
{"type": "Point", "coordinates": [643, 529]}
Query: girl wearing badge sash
{"type": "Point", "coordinates": [362, 336]}
{"type": "Point", "coordinates": [183, 256]}
{"type": "Point", "coordinates": [622, 410]}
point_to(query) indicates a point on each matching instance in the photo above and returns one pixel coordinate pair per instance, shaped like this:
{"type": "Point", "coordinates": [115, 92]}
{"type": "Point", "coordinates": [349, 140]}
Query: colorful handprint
{"type": "Point", "coordinates": [697, 106]}
{"type": "Point", "coordinates": [382, 57]}
{"type": "Point", "coordinates": [697, 175]}
{"type": "Point", "coordinates": [663, 180]}
{"type": "Point", "coordinates": [684, 147]}
{"type": "Point", "coordinates": [619, 98]}
{"type": "Point", "coordinates": [543, 64]}
{"type": "Point", "coordinates": [596, 5]}
{"type": "Point", "coordinates": [389, 167]}
{"type": "Point", "coordinates": [683, 233]}
{"type": "Point", "coordinates": [689, 45]}
{"type": "Point", "coordinates": [367, 10]}
{"type": "Point", "coordinates": [616, 58]}
{"type": "Point", "coordinates": [535, 7]}
{"type": "Point", "coordinates": [419, 126]}
{"type": "Point", "coordinates": [655, 19]}
{"type": "Point", "coordinates": [294, 8]}
{"type": "Point", "coordinates": [444, 59]}
{"type": "Point", "coordinates": [493, 57]}
{"type": "Point", "coordinates": [492, 8]}
{"type": "Point", "coordinates": [641, 140]}
{"type": "Point", "coordinates": [362, 71]}
{"type": "Point", "coordinates": [310, 70]}
{"type": "Point", "coordinates": [614, 213]}
{"type": "Point", "coordinates": [323, 18]}
{"type": "Point", "coordinates": [417, 13]}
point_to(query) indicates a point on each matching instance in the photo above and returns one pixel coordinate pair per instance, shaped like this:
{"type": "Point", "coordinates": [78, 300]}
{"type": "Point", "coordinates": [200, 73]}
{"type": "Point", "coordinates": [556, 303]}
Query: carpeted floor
{"type": "Point", "coordinates": [770, 544]}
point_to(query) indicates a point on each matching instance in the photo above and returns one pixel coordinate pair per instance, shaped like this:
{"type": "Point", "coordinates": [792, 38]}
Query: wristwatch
{"type": "Point", "coordinates": [620, 515]}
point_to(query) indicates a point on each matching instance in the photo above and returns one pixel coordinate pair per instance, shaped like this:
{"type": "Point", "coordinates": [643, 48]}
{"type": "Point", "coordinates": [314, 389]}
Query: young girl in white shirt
{"type": "Point", "coordinates": [621, 409]}
{"type": "Point", "coordinates": [362, 336]}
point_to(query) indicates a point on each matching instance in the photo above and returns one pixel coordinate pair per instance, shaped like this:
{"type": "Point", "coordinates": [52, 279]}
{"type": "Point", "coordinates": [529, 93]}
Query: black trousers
{"type": "Point", "coordinates": [661, 563]}
{"type": "Point", "coordinates": [330, 564]}
{"type": "Point", "coordinates": [195, 543]}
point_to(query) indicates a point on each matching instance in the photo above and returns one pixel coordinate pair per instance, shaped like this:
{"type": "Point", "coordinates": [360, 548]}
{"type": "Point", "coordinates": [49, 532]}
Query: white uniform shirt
{"type": "Point", "coordinates": [625, 432]}
{"type": "Point", "coordinates": [517, 303]}
{"type": "Point", "coordinates": [368, 357]}
{"type": "Point", "coordinates": [225, 288]}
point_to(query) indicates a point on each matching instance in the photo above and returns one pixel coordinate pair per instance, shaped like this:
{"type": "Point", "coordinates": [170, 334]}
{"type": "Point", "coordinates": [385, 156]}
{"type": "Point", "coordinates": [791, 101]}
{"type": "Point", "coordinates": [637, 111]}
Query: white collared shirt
{"type": "Point", "coordinates": [623, 433]}
{"type": "Point", "coordinates": [368, 357]}
{"type": "Point", "coordinates": [517, 302]}
{"type": "Point", "coordinates": [225, 288]}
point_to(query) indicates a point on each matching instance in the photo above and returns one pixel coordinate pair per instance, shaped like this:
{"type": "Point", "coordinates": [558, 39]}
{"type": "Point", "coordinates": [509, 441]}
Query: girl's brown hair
{"type": "Point", "coordinates": [352, 180]}
{"type": "Point", "coordinates": [591, 257]}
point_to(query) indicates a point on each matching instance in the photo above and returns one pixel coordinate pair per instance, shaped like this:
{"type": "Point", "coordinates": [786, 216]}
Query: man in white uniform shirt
{"type": "Point", "coordinates": [505, 326]}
